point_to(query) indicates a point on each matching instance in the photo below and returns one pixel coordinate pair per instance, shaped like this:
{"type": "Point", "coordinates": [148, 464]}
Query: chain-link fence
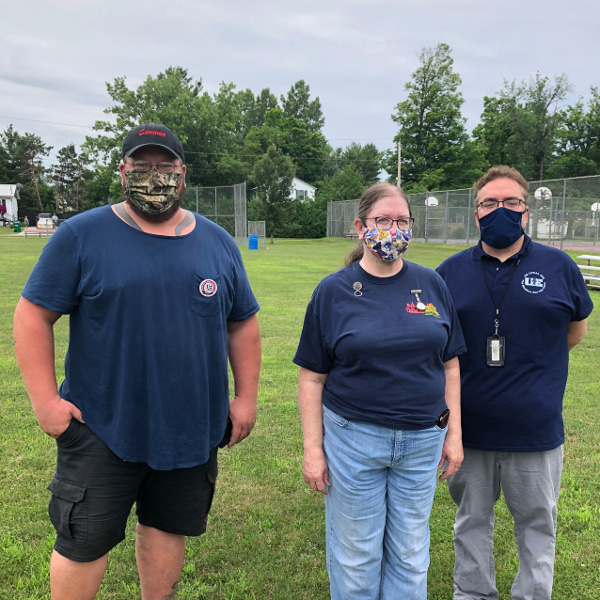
{"type": "Point", "coordinates": [225, 206]}
{"type": "Point", "coordinates": [570, 213]}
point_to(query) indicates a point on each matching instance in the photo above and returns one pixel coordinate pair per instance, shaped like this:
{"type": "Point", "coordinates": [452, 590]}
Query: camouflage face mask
{"type": "Point", "coordinates": [151, 191]}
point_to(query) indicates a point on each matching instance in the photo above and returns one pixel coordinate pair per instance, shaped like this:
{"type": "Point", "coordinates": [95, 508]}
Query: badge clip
{"type": "Point", "coordinates": [419, 306]}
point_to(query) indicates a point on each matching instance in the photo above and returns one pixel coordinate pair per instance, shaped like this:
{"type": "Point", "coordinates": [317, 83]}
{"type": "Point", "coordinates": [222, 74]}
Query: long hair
{"type": "Point", "coordinates": [372, 194]}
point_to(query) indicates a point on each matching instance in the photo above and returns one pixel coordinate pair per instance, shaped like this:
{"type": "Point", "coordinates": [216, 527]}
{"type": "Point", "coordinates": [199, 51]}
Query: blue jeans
{"type": "Point", "coordinates": [377, 508]}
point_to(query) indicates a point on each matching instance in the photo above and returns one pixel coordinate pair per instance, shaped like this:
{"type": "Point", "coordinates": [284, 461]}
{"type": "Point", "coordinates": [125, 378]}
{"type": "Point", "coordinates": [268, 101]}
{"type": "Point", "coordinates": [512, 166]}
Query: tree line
{"type": "Point", "coordinates": [237, 135]}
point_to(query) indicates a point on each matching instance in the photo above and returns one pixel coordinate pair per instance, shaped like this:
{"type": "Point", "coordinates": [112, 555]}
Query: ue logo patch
{"type": "Point", "coordinates": [208, 288]}
{"type": "Point", "coordinates": [534, 282]}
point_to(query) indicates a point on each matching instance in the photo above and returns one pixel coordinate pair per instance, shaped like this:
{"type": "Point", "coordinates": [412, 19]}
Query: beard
{"type": "Point", "coordinates": [160, 218]}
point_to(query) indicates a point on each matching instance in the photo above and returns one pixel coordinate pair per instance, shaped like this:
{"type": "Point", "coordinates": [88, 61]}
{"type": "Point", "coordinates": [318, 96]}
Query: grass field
{"type": "Point", "coordinates": [265, 537]}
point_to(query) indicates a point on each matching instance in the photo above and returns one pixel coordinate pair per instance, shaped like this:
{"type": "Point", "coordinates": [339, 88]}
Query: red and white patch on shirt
{"type": "Point", "coordinates": [208, 287]}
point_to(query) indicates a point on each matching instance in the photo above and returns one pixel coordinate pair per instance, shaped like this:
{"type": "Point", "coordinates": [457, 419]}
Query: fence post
{"type": "Point", "coordinates": [197, 210]}
{"type": "Point", "coordinates": [469, 218]}
{"type": "Point", "coordinates": [426, 214]}
{"type": "Point", "coordinates": [562, 219]}
{"type": "Point", "coordinates": [446, 220]}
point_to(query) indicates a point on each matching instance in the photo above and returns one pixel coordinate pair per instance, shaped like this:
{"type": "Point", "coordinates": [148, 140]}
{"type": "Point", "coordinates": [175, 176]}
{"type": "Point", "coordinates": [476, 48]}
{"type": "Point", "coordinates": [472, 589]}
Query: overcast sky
{"type": "Point", "coordinates": [356, 55]}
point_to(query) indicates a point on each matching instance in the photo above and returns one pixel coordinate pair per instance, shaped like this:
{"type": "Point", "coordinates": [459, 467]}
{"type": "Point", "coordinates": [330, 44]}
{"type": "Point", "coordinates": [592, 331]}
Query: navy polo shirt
{"type": "Point", "coordinates": [517, 407]}
{"type": "Point", "coordinates": [384, 358]}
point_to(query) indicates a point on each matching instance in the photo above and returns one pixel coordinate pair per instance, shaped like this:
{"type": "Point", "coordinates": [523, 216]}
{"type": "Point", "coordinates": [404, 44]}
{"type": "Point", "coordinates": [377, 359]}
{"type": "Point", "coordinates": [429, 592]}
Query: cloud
{"type": "Point", "coordinates": [356, 55]}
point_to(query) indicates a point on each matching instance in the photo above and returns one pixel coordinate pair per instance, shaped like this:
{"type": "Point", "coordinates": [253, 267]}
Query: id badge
{"type": "Point", "coordinates": [495, 351]}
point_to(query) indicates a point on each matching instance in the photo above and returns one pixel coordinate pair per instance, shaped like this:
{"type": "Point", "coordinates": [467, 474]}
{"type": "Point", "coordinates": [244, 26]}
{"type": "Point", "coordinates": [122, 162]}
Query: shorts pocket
{"type": "Point", "coordinates": [69, 435]}
{"type": "Point", "coordinates": [67, 509]}
{"type": "Point", "coordinates": [206, 295]}
{"type": "Point", "coordinates": [208, 492]}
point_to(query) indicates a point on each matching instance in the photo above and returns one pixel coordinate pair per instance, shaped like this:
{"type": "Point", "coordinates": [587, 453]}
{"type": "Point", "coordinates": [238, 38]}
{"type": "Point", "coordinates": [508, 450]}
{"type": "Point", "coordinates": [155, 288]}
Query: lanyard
{"type": "Point", "coordinates": [497, 307]}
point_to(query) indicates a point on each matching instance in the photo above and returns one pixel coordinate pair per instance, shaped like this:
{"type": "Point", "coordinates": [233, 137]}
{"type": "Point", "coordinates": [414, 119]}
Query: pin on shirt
{"type": "Point", "coordinates": [420, 306]}
{"type": "Point", "coordinates": [357, 286]}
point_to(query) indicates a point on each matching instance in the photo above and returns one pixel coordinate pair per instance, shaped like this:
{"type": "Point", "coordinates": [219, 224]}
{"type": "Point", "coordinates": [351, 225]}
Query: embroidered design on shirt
{"type": "Point", "coordinates": [208, 288]}
{"type": "Point", "coordinates": [430, 310]}
{"type": "Point", "coordinates": [533, 282]}
{"type": "Point", "coordinates": [357, 286]}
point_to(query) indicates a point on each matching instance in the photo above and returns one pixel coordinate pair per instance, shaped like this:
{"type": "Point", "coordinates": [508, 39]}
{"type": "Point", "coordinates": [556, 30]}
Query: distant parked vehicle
{"type": "Point", "coordinates": [44, 221]}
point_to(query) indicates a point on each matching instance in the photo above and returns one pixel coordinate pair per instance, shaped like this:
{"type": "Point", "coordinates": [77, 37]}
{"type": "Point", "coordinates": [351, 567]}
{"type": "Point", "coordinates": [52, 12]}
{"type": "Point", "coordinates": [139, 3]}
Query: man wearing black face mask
{"type": "Point", "coordinates": [158, 301]}
{"type": "Point", "coordinates": [522, 307]}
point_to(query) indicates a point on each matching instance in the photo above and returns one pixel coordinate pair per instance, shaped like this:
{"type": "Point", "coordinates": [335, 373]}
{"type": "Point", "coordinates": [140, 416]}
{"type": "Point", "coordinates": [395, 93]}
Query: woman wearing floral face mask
{"type": "Point", "coordinates": [378, 373]}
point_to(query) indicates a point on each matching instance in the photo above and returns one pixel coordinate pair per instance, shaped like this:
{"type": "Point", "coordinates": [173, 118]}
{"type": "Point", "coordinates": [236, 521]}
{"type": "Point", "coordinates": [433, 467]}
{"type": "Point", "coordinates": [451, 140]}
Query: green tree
{"type": "Point", "coordinates": [172, 98]}
{"type": "Point", "coordinates": [347, 184]}
{"type": "Point", "coordinates": [435, 145]}
{"type": "Point", "coordinates": [24, 156]}
{"type": "Point", "coordinates": [272, 175]}
{"type": "Point", "coordinates": [526, 122]}
{"type": "Point", "coordinates": [298, 104]}
{"type": "Point", "coordinates": [366, 159]}
{"type": "Point", "coordinates": [578, 138]}
{"type": "Point", "coordinates": [5, 172]}
{"type": "Point", "coordinates": [65, 175]}
{"type": "Point", "coordinates": [263, 103]}
{"type": "Point", "coordinates": [102, 186]}
{"type": "Point", "coordinates": [307, 150]}
{"type": "Point", "coordinates": [495, 132]}
{"type": "Point", "coordinates": [541, 119]}
{"type": "Point", "coordinates": [520, 126]}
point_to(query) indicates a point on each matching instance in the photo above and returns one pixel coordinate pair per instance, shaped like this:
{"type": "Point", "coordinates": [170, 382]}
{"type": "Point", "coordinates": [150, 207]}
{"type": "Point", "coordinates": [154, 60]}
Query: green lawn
{"type": "Point", "coordinates": [265, 535]}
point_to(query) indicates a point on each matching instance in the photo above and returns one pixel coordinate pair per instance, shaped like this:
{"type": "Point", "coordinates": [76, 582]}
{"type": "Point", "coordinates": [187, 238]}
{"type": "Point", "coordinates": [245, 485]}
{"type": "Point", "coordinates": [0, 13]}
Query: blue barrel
{"type": "Point", "coordinates": [252, 242]}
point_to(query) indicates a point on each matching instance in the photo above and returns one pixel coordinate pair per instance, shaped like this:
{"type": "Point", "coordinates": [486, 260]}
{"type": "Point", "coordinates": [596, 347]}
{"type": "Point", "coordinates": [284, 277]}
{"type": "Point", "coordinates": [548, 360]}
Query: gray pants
{"type": "Point", "coordinates": [530, 482]}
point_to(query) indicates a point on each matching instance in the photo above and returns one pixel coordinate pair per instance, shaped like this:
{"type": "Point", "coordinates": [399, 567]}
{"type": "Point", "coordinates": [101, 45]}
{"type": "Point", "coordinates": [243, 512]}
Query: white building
{"type": "Point", "coordinates": [302, 190]}
{"type": "Point", "coordinates": [9, 197]}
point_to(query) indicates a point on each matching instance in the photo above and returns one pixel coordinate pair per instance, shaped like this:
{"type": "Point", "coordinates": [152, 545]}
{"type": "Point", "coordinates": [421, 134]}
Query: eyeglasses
{"type": "Point", "coordinates": [387, 223]}
{"type": "Point", "coordinates": [511, 203]}
{"type": "Point", "coordinates": [143, 166]}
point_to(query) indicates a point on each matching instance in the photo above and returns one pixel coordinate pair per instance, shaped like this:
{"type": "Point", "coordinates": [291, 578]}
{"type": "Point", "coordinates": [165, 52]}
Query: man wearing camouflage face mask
{"type": "Point", "coordinates": [153, 174]}
{"type": "Point", "coordinates": [158, 301]}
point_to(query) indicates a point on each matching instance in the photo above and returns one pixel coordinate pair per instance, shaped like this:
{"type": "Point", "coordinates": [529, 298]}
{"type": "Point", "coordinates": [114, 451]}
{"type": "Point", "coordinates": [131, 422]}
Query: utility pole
{"type": "Point", "coordinates": [399, 156]}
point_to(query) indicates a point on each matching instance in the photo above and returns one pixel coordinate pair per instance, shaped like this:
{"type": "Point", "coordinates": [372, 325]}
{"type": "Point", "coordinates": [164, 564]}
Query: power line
{"type": "Point", "coordinates": [89, 127]}
{"type": "Point", "coordinates": [47, 122]}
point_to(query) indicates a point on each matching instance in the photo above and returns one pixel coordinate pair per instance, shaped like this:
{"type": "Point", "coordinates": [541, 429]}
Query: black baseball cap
{"type": "Point", "coordinates": [152, 134]}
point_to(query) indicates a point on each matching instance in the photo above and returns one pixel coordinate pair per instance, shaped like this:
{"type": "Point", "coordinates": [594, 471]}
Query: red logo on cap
{"type": "Point", "coordinates": [151, 132]}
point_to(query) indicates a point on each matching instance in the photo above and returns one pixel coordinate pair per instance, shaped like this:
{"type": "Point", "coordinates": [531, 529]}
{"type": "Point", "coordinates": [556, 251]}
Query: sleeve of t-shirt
{"type": "Point", "coordinates": [441, 270]}
{"type": "Point", "coordinates": [580, 295]}
{"type": "Point", "coordinates": [312, 353]}
{"type": "Point", "coordinates": [53, 283]}
{"type": "Point", "coordinates": [244, 301]}
{"type": "Point", "coordinates": [456, 342]}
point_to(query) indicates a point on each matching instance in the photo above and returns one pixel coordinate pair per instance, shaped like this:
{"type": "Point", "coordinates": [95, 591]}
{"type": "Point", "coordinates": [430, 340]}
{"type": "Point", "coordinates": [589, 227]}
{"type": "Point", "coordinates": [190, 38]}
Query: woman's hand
{"type": "Point", "coordinates": [310, 392]}
{"type": "Point", "coordinates": [314, 470]}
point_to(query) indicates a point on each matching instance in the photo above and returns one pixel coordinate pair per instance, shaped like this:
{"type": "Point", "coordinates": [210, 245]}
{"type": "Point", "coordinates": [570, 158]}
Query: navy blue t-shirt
{"type": "Point", "coordinates": [384, 358]}
{"type": "Point", "coordinates": [147, 357]}
{"type": "Point", "coordinates": [517, 407]}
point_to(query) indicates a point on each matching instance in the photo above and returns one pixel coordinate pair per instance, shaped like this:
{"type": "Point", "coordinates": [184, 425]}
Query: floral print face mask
{"type": "Point", "coordinates": [387, 245]}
